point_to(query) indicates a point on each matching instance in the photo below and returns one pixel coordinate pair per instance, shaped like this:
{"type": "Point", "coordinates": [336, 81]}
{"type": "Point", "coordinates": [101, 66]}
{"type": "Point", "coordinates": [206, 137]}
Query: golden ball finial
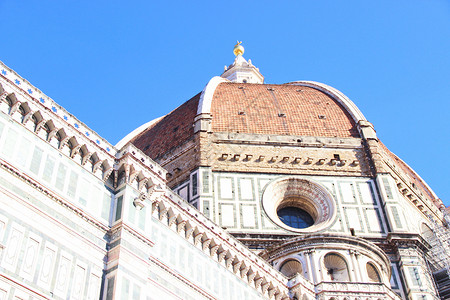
{"type": "Point", "coordinates": [238, 49]}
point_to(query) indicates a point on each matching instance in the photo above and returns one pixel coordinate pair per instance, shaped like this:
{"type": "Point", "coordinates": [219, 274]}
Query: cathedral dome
{"type": "Point", "coordinates": [239, 102]}
{"type": "Point", "coordinates": [292, 109]}
{"type": "Point", "coordinates": [303, 121]}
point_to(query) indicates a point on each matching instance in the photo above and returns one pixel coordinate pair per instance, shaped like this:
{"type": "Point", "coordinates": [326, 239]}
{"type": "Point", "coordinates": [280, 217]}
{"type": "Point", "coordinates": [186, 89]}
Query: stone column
{"type": "Point", "coordinates": [307, 256]}
{"type": "Point", "coordinates": [356, 267]}
{"type": "Point", "coordinates": [318, 276]}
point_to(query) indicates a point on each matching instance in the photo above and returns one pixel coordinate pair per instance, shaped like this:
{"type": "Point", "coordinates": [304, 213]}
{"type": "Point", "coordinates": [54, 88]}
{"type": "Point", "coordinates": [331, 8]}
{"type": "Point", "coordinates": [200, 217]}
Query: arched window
{"type": "Point", "coordinates": [291, 267]}
{"type": "Point", "coordinates": [372, 273]}
{"type": "Point", "coordinates": [336, 267]}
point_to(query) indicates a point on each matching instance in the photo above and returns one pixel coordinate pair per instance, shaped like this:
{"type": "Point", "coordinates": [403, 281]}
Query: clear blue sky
{"type": "Point", "coordinates": [118, 64]}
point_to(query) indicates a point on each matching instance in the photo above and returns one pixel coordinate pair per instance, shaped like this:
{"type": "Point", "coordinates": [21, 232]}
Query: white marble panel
{"type": "Point", "coordinates": [227, 215]}
{"type": "Point", "coordinates": [63, 275]}
{"type": "Point", "coordinates": [94, 287]}
{"type": "Point", "coordinates": [49, 168]}
{"type": "Point", "coordinates": [31, 257]}
{"type": "Point", "coordinates": [373, 221]}
{"type": "Point", "coordinates": [84, 192]}
{"type": "Point", "coordinates": [95, 201]}
{"type": "Point", "coordinates": [4, 290]}
{"type": "Point", "coordinates": [246, 188]}
{"type": "Point", "coordinates": [3, 221]}
{"type": "Point", "coordinates": [248, 216]}
{"type": "Point", "coordinates": [226, 188]}
{"type": "Point", "coordinates": [78, 282]}
{"type": "Point", "coordinates": [9, 146]}
{"type": "Point", "coordinates": [366, 193]}
{"type": "Point", "coordinates": [347, 192]}
{"type": "Point", "coordinates": [13, 247]}
{"type": "Point", "coordinates": [353, 218]}
{"type": "Point", "coordinates": [48, 263]}
{"type": "Point", "coordinates": [23, 152]}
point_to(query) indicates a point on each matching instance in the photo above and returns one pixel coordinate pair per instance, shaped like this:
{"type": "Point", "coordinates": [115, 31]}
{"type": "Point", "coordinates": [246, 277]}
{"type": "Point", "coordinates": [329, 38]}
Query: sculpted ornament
{"type": "Point", "coordinates": [153, 195]}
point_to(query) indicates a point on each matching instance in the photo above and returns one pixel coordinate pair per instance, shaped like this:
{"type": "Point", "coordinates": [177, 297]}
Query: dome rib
{"type": "Point", "coordinates": [136, 132]}
{"type": "Point", "coordinates": [204, 105]}
{"type": "Point", "coordinates": [336, 94]}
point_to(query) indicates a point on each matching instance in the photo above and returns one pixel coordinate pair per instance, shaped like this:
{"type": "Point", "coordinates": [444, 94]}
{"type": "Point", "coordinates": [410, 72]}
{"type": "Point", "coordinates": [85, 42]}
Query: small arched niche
{"type": "Point", "coordinates": [372, 273]}
{"type": "Point", "coordinates": [291, 267]}
{"type": "Point", "coordinates": [336, 267]}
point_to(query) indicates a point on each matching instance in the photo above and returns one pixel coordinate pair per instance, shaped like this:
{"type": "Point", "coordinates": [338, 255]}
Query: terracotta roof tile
{"type": "Point", "coordinates": [279, 109]}
{"type": "Point", "coordinates": [171, 131]}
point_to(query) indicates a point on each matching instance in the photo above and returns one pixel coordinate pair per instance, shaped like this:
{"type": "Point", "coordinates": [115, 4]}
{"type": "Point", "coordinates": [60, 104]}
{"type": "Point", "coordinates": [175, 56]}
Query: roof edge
{"type": "Point", "coordinates": [204, 104]}
{"type": "Point", "coordinates": [135, 133]}
{"type": "Point", "coordinates": [420, 178]}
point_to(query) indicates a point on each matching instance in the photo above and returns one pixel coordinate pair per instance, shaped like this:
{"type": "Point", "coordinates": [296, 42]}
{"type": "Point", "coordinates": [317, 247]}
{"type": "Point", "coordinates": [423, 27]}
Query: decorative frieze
{"type": "Point", "coordinates": [371, 291]}
{"type": "Point", "coordinates": [249, 157]}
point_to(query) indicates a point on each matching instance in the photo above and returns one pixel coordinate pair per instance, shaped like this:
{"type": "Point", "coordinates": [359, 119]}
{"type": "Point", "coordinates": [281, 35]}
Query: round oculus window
{"type": "Point", "coordinates": [298, 204]}
{"type": "Point", "coordinates": [295, 217]}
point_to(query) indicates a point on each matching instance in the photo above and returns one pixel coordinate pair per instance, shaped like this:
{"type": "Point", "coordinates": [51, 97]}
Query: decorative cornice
{"type": "Point", "coordinates": [40, 101]}
{"type": "Point", "coordinates": [407, 240]}
{"type": "Point", "coordinates": [71, 137]}
{"type": "Point", "coordinates": [131, 155]}
{"type": "Point", "coordinates": [362, 290]}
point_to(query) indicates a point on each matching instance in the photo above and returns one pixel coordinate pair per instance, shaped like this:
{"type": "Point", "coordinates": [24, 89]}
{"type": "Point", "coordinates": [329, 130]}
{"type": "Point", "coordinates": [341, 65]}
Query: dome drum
{"type": "Point", "coordinates": [341, 259]}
